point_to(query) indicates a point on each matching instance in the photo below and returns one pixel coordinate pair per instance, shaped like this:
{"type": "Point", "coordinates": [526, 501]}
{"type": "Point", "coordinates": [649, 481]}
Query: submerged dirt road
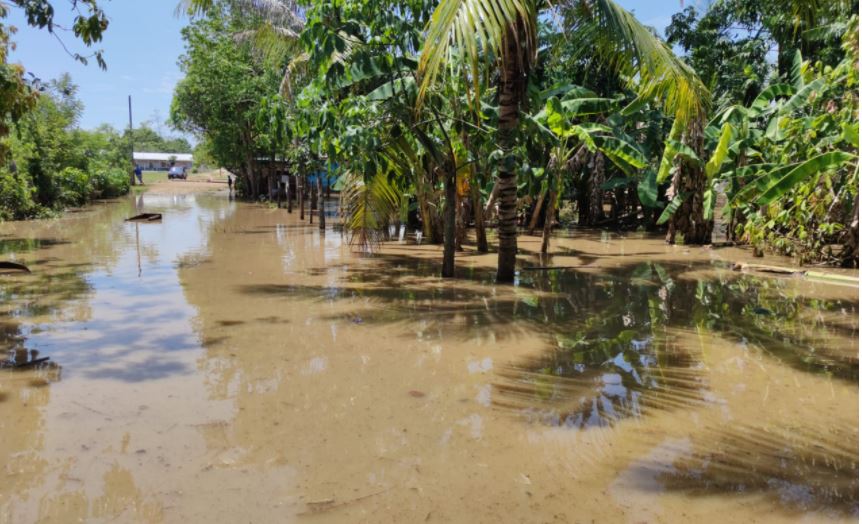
{"type": "Point", "coordinates": [232, 364]}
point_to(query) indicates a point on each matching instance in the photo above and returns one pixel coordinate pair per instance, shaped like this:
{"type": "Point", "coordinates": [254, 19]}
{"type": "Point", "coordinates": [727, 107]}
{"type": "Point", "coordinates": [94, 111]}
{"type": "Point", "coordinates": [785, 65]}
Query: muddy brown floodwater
{"type": "Point", "coordinates": [231, 364]}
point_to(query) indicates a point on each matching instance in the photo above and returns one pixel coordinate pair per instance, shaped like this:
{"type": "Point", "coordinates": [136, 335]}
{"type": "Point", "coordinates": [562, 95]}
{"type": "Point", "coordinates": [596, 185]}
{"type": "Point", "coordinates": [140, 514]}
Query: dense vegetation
{"type": "Point", "coordinates": [145, 138]}
{"type": "Point", "coordinates": [525, 115]}
{"type": "Point", "coordinates": [46, 162]}
{"type": "Point", "coordinates": [53, 164]}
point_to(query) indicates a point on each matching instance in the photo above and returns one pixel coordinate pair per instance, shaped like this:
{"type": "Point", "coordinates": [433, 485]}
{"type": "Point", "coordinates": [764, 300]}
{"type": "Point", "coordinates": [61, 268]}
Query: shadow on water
{"type": "Point", "coordinates": [800, 468]}
{"type": "Point", "coordinates": [612, 353]}
{"type": "Point", "coordinates": [615, 337]}
{"type": "Point", "coordinates": [600, 320]}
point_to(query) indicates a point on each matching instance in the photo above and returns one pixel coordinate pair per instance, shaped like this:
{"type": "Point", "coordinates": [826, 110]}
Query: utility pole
{"type": "Point", "coordinates": [131, 143]}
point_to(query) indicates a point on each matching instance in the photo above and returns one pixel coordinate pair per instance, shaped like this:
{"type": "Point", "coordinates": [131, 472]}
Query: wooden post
{"type": "Point", "coordinates": [131, 143]}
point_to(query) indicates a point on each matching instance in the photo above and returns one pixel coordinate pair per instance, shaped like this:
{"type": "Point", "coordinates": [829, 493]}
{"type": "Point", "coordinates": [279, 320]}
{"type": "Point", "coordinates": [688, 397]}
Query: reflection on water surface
{"type": "Point", "coordinates": [233, 363]}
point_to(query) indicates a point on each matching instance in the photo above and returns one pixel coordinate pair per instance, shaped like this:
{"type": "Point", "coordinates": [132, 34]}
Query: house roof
{"type": "Point", "coordinates": [164, 157]}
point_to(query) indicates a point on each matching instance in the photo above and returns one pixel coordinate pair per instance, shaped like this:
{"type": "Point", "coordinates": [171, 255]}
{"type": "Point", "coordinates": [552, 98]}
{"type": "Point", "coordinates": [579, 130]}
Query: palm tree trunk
{"type": "Point", "coordinates": [511, 91]}
{"type": "Point", "coordinates": [449, 224]}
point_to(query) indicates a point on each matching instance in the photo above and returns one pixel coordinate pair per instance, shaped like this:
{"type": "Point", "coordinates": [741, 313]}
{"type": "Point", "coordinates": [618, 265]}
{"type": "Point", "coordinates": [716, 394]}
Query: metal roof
{"type": "Point", "coordinates": [164, 157]}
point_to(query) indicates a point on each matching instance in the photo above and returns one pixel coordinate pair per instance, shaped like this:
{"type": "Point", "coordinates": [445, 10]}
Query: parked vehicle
{"type": "Point", "coordinates": [177, 172]}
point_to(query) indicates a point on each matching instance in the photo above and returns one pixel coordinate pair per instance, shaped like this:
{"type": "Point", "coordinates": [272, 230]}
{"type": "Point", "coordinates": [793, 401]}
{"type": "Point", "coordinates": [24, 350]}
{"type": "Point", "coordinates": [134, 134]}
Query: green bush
{"type": "Point", "coordinates": [16, 197]}
{"type": "Point", "coordinates": [74, 187]}
{"type": "Point", "coordinates": [109, 183]}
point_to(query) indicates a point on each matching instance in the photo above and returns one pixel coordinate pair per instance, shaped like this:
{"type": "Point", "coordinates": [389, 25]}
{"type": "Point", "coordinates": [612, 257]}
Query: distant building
{"type": "Point", "coordinates": [162, 161]}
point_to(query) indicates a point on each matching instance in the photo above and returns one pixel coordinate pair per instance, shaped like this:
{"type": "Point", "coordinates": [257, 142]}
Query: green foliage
{"type": "Point", "coordinates": [110, 183]}
{"type": "Point", "coordinates": [799, 196]}
{"type": "Point", "coordinates": [402, 95]}
{"type": "Point", "coordinates": [18, 95]}
{"type": "Point", "coordinates": [16, 197]}
{"type": "Point", "coordinates": [54, 164]}
{"type": "Point", "coordinates": [671, 208]}
{"type": "Point", "coordinates": [73, 187]}
{"type": "Point", "coordinates": [146, 139]}
{"type": "Point", "coordinates": [219, 100]}
{"type": "Point", "coordinates": [821, 164]}
{"type": "Point", "coordinates": [369, 206]}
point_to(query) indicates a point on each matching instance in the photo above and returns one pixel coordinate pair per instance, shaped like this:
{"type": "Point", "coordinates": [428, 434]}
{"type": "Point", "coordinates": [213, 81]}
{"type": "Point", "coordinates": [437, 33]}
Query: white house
{"type": "Point", "coordinates": [162, 161]}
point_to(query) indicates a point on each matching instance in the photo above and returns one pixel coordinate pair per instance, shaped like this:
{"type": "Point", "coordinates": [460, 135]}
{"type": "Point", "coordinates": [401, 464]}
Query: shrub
{"type": "Point", "coordinates": [109, 183]}
{"type": "Point", "coordinates": [74, 187]}
{"type": "Point", "coordinates": [16, 197]}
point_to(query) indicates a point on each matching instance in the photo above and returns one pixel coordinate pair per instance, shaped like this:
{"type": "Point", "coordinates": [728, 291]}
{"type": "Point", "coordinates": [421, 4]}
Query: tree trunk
{"type": "Point", "coordinates": [583, 198]}
{"type": "Point", "coordinates": [492, 199]}
{"type": "Point", "coordinates": [850, 254]}
{"type": "Point", "coordinates": [690, 180]}
{"type": "Point", "coordinates": [248, 189]}
{"type": "Point", "coordinates": [550, 213]}
{"type": "Point", "coordinates": [619, 208]}
{"type": "Point", "coordinates": [462, 217]}
{"type": "Point", "coordinates": [449, 225]}
{"type": "Point", "coordinates": [479, 218]}
{"type": "Point", "coordinates": [289, 195]}
{"type": "Point", "coordinates": [321, 205]}
{"type": "Point", "coordinates": [269, 181]}
{"type": "Point", "coordinates": [312, 201]}
{"type": "Point", "coordinates": [511, 91]}
{"type": "Point", "coordinates": [537, 211]}
{"type": "Point", "coordinates": [597, 194]}
{"type": "Point", "coordinates": [422, 204]}
{"type": "Point", "coordinates": [301, 182]}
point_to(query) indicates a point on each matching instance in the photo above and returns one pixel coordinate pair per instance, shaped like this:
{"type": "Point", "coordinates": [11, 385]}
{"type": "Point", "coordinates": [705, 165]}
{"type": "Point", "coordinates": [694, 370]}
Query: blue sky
{"type": "Point", "coordinates": [141, 47]}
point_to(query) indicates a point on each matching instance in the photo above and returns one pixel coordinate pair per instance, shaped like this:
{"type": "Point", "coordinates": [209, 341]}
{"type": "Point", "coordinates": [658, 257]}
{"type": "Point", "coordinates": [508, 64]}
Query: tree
{"type": "Point", "coordinates": [147, 139]}
{"type": "Point", "coordinates": [218, 99]}
{"type": "Point", "coordinates": [509, 35]}
{"type": "Point", "coordinates": [17, 94]}
{"type": "Point", "coordinates": [55, 164]}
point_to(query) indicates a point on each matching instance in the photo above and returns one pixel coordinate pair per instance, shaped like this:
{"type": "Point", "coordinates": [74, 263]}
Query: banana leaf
{"type": "Point", "coordinates": [648, 190]}
{"type": "Point", "coordinates": [803, 171]}
{"type": "Point", "coordinates": [672, 207]}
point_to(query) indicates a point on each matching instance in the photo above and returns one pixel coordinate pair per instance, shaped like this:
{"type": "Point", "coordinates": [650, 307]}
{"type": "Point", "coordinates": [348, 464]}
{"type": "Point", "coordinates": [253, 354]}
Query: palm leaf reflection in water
{"type": "Point", "coordinates": [803, 469]}
{"type": "Point", "coordinates": [585, 384]}
{"type": "Point", "coordinates": [621, 360]}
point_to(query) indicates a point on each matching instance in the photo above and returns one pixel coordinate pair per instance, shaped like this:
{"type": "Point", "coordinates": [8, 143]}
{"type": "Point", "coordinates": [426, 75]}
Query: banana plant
{"type": "Point", "coordinates": [576, 127]}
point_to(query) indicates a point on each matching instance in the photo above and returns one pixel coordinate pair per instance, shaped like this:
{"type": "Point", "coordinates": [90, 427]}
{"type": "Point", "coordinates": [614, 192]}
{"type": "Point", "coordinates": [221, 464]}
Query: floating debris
{"type": "Point", "coordinates": [146, 217]}
{"type": "Point", "coordinates": [13, 266]}
{"type": "Point", "coordinates": [11, 364]}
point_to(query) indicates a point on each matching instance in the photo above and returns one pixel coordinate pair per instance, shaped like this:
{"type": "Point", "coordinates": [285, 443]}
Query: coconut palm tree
{"type": "Point", "coordinates": [476, 33]}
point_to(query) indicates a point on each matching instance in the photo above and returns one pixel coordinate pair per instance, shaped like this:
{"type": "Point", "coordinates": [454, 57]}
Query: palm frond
{"type": "Point", "coordinates": [604, 29]}
{"type": "Point", "coordinates": [368, 206]}
{"type": "Point", "coordinates": [465, 31]}
{"type": "Point", "coordinates": [280, 13]}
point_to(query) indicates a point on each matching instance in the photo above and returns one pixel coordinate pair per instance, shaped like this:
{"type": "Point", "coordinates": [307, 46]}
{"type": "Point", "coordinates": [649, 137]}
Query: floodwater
{"type": "Point", "coordinates": [231, 364]}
